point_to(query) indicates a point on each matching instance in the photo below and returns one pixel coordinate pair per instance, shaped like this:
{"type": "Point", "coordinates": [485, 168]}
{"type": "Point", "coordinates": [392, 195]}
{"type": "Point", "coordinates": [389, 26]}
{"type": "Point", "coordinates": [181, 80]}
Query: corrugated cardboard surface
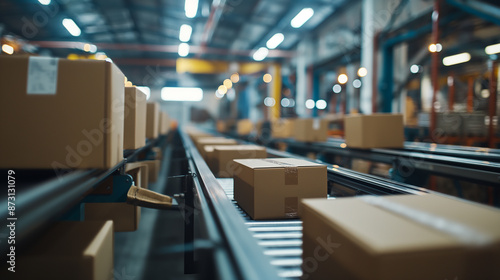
{"type": "Point", "coordinates": [164, 123]}
{"type": "Point", "coordinates": [135, 118]}
{"type": "Point", "coordinates": [139, 172]}
{"type": "Point", "coordinates": [310, 130]}
{"type": "Point", "coordinates": [282, 128]}
{"type": "Point", "coordinates": [153, 169]}
{"type": "Point", "coordinates": [213, 141]}
{"type": "Point", "coordinates": [152, 120]}
{"type": "Point", "coordinates": [126, 217]}
{"type": "Point", "coordinates": [244, 127]}
{"type": "Point", "coordinates": [352, 234]}
{"type": "Point", "coordinates": [272, 188]}
{"type": "Point", "coordinates": [80, 126]}
{"type": "Point", "coordinates": [374, 131]}
{"type": "Point", "coordinates": [69, 250]}
{"type": "Point", "coordinates": [223, 156]}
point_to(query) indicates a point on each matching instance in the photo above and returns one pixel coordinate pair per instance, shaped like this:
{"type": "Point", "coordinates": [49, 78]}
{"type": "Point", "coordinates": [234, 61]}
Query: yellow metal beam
{"type": "Point", "coordinates": [276, 91]}
{"type": "Point", "coordinates": [200, 66]}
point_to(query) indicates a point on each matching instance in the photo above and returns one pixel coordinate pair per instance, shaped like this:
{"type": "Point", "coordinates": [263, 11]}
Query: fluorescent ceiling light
{"type": "Point", "coordinates": [321, 104]}
{"type": "Point", "coordinates": [181, 94]}
{"type": "Point", "coordinates": [456, 59]}
{"type": "Point", "coordinates": [44, 2]}
{"type": "Point", "coordinates": [191, 8]}
{"type": "Point", "coordinates": [183, 49]}
{"type": "Point", "coordinates": [260, 54]}
{"type": "Point", "coordinates": [275, 41]}
{"type": "Point", "coordinates": [302, 17]}
{"type": "Point", "coordinates": [146, 91]}
{"type": "Point", "coordinates": [8, 49]}
{"type": "Point", "coordinates": [71, 26]}
{"type": "Point", "coordinates": [310, 103]}
{"type": "Point", "coordinates": [492, 49]}
{"type": "Point", "coordinates": [185, 33]}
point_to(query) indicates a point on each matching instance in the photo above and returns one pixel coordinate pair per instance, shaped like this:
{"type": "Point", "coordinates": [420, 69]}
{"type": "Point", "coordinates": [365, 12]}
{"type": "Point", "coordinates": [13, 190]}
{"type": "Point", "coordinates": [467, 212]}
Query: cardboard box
{"type": "Point", "coordinates": [152, 120]}
{"type": "Point", "coordinates": [153, 169]}
{"type": "Point", "coordinates": [140, 173]}
{"type": "Point", "coordinates": [222, 126]}
{"type": "Point", "coordinates": [135, 119]}
{"type": "Point", "coordinates": [213, 141]}
{"type": "Point", "coordinates": [208, 155]}
{"type": "Point", "coordinates": [400, 237]}
{"type": "Point", "coordinates": [222, 157]}
{"type": "Point", "coordinates": [126, 217]}
{"type": "Point", "coordinates": [282, 128]}
{"type": "Point", "coordinates": [272, 188]}
{"type": "Point", "coordinates": [60, 114]}
{"type": "Point", "coordinates": [374, 131]}
{"type": "Point", "coordinates": [69, 250]}
{"type": "Point", "coordinates": [244, 127]}
{"type": "Point", "coordinates": [163, 124]}
{"type": "Point", "coordinates": [310, 130]}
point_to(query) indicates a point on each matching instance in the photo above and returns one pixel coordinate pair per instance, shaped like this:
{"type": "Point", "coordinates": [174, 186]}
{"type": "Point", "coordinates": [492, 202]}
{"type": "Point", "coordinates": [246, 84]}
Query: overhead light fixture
{"type": "Point", "coordinates": [181, 94]}
{"type": "Point", "coordinates": [269, 101]}
{"type": "Point", "coordinates": [456, 59]}
{"type": "Point", "coordinates": [222, 89]}
{"type": "Point", "coordinates": [185, 33]}
{"type": "Point", "coordinates": [191, 8]}
{"type": "Point", "coordinates": [183, 49]}
{"type": "Point", "coordinates": [285, 102]}
{"type": "Point", "coordinates": [90, 48]}
{"type": "Point", "coordinates": [435, 47]}
{"type": "Point", "coordinates": [321, 104]}
{"type": "Point", "coordinates": [310, 103]}
{"type": "Point", "coordinates": [227, 83]}
{"type": "Point", "coordinates": [492, 49]}
{"type": "Point", "coordinates": [267, 78]}
{"type": "Point", "coordinates": [235, 78]}
{"type": "Point", "coordinates": [342, 79]}
{"type": "Point", "coordinates": [362, 72]}
{"type": "Point", "coordinates": [44, 2]}
{"type": "Point", "coordinates": [337, 88]}
{"type": "Point", "coordinates": [146, 91]}
{"type": "Point", "coordinates": [356, 83]}
{"type": "Point", "coordinates": [275, 41]}
{"type": "Point", "coordinates": [260, 54]}
{"type": "Point", "coordinates": [414, 68]}
{"type": "Point", "coordinates": [302, 17]}
{"type": "Point", "coordinates": [71, 26]}
{"type": "Point", "coordinates": [218, 95]}
{"type": "Point", "coordinates": [8, 49]}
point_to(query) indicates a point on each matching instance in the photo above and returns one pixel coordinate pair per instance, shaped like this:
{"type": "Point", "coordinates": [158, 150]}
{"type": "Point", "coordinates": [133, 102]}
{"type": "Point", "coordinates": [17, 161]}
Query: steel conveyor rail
{"type": "Point", "coordinates": [38, 204]}
{"type": "Point", "coordinates": [469, 169]}
{"type": "Point", "coordinates": [271, 249]}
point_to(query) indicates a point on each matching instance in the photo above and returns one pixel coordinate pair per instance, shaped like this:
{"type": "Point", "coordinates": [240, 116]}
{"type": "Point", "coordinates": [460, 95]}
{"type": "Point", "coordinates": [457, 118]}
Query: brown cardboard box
{"type": "Point", "coordinates": [135, 118]}
{"type": "Point", "coordinates": [152, 120]}
{"type": "Point", "coordinates": [272, 188]}
{"type": "Point", "coordinates": [163, 124]}
{"type": "Point", "coordinates": [153, 169]}
{"type": "Point", "coordinates": [222, 126]}
{"type": "Point", "coordinates": [223, 156]}
{"type": "Point", "coordinates": [126, 217]}
{"type": "Point", "coordinates": [400, 237]}
{"type": "Point", "coordinates": [374, 131]}
{"type": "Point", "coordinates": [244, 127]}
{"type": "Point", "coordinates": [208, 155]}
{"type": "Point", "coordinates": [69, 250]}
{"type": "Point", "coordinates": [140, 173]}
{"type": "Point", "coordinates": [65, 114]}
{"type": "Point", "coordinates": [310, 130]}
{"type": "Point", "coordinates": [282, 128]}
{"type": "Point", "coordinates": [202, 142]}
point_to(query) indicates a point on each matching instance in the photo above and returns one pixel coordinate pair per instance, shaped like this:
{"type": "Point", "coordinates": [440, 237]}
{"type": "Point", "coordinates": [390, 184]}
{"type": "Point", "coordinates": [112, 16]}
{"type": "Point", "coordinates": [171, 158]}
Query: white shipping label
{"type": "Point", "coordinates": [42, 75]}
{"type": "Point", "coordinates": [316, 124]}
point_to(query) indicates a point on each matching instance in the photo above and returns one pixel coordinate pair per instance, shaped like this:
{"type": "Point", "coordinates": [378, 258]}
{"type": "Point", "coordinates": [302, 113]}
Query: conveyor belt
{"type": "Point", "coordinates": [281, 240]}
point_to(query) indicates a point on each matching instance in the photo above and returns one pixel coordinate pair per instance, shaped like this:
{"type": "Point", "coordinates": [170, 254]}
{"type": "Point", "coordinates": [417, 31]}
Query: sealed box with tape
{"type": "Point", "coordinates": [152, 120]}
{"type": "Point", "coordinates": [221, 159]}
{"type": "Point", "coordinates": [409, 237]}
{"type": "Point", "coordinates": [60, 114]}
{"type": "Point", "coordinates": [282, 128]}
{"type": "Point", "coordinates": [310, 130]}
{"type": "Point", "coordinates": [272, 188]}
{"type": "Point", "coordinates": [219, 141]}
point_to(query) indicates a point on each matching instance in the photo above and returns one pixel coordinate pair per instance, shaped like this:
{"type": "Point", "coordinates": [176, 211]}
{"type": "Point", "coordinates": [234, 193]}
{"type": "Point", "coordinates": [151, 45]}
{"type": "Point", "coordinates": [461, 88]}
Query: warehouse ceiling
{"type": "Point", "coordinates": [146, 32]}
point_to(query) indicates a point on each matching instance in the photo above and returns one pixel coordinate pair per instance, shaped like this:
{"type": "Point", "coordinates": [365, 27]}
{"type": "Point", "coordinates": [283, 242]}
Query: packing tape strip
{"type": "Point", "coordinates": [291, 172]}
{"type": "Point", "coordinates": [464, 233]}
